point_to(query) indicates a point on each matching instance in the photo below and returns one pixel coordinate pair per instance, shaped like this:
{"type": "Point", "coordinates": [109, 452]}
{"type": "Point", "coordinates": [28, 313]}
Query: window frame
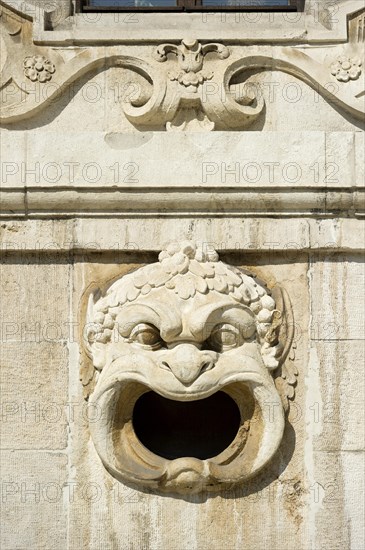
{"type": "Point", "coordinates": [190, 6]}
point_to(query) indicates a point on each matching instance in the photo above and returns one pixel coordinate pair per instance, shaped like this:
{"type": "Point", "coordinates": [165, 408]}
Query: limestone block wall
{"type": "Point", "coordinates": [92, 190]}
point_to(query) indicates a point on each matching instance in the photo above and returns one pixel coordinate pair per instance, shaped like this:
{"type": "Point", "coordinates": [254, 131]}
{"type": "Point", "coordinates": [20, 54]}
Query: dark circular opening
{"type": "Point", "coordinates": [175, 429]}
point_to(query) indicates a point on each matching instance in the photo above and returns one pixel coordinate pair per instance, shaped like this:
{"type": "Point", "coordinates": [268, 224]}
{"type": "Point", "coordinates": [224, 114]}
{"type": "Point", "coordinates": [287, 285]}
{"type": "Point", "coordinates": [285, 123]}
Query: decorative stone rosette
{"type": "Point", "coordinates": [38, 68]}
{"type": "Point", "coordinates": [346, 68]}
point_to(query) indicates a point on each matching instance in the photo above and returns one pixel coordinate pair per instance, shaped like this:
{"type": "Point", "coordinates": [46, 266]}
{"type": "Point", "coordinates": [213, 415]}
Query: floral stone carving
{"type": "Point", "coordinates": [190, 86]}
{"type": "Point", "coordinates": [345, 68]}
{"type": "Point", "coordinates": [187, 335]}
{"type": "Point", "coordinates": [191, 58]}
{"type": "Point", "coordinates": [38, 68]}
{"type": "Point", "coordinates": [203, 98]}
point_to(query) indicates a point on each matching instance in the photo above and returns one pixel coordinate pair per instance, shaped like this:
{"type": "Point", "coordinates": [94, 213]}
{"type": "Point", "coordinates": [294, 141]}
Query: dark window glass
{"type": "Point", "coordinates": [130, 3]}
{"type": "Point", "coordinates": [189, 4]}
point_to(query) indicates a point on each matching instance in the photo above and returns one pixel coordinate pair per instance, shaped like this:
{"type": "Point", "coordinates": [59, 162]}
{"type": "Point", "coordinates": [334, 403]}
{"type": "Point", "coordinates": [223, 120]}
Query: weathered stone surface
{"type": "Point", "coordinates": [360, 158]}
{"type": "Point", "coordinates": [335, 476]}
{"type": "Point", "coordinates": [251, 160]}
{"type": "Point", "coordinates": [30, 283]}
{"type": "Point", "coordinates": [88, 235]}
{"type": "Point", "coordinates": [337, 284]}
{"type": "Point", "coordinates": [338, 414]}
{"type": "Point", "coordinates": [34, 395]}
{"type": "Point", "coordinates": [34, 500]}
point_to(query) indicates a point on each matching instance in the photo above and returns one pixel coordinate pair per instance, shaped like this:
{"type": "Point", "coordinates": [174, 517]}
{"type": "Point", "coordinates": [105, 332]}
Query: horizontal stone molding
{"type": "Point", "coordinates": [207, 202]}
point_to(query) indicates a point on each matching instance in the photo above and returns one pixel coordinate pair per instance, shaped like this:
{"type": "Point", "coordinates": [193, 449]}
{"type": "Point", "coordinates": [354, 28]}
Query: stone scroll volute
{"type": "Point", "coordinates": [185, 331]}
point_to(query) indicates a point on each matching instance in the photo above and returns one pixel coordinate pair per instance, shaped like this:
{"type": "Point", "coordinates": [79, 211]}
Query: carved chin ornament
{"type": "Point", "coordinates": [186, 351]}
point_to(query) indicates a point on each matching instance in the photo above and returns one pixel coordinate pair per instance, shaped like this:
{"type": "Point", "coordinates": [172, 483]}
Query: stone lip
{"type": "Point", "coordinates": [129, 461]}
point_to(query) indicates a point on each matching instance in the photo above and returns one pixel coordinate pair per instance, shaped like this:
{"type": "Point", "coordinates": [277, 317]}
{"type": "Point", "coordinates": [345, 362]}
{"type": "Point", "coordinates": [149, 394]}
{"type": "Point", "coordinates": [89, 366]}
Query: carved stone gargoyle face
{"type": "Point", "coordinates": [184, 349]}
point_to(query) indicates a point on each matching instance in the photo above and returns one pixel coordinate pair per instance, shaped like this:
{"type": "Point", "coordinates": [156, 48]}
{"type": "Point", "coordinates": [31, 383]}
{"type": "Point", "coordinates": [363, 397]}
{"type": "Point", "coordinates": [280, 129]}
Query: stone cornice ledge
{"type": "Point", "coordinates": [207, 202]}
{"type": "Point", "coordinates": [319, 22]}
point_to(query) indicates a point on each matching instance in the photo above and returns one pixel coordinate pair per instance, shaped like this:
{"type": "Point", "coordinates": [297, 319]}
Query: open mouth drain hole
{"type": "Point", "coordinates": [175, 429]}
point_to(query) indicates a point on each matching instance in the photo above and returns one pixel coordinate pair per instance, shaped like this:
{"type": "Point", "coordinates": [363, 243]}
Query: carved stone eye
{"type": "Point", "coordinates": [224, 337]}
{"type": "Point", "coordinates": [146, 335]}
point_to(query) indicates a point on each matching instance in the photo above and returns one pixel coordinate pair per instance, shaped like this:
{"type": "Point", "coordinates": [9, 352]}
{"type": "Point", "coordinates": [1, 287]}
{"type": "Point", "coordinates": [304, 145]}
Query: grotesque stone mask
{"type": "Point", "coordinates": [184, 351]}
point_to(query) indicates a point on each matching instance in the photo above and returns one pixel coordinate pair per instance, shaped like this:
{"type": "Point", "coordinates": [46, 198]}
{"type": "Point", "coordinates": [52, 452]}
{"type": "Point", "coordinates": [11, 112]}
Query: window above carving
{"type": "Point", "coordinates": [189, 5]}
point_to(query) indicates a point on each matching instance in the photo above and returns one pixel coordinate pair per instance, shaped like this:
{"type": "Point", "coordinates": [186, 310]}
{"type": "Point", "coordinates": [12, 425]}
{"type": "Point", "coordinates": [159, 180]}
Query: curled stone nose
{"type": "Point", "coordinates": [186, 362]}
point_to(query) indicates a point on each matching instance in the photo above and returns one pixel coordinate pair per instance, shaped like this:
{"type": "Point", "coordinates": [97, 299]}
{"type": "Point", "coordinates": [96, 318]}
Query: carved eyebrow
{"type": "Point", "coordinates": [161, 316]}
{"type": "Point", "coordinates": [132, 315]}
{"type": "Point", "coordinates": [212, 315]}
